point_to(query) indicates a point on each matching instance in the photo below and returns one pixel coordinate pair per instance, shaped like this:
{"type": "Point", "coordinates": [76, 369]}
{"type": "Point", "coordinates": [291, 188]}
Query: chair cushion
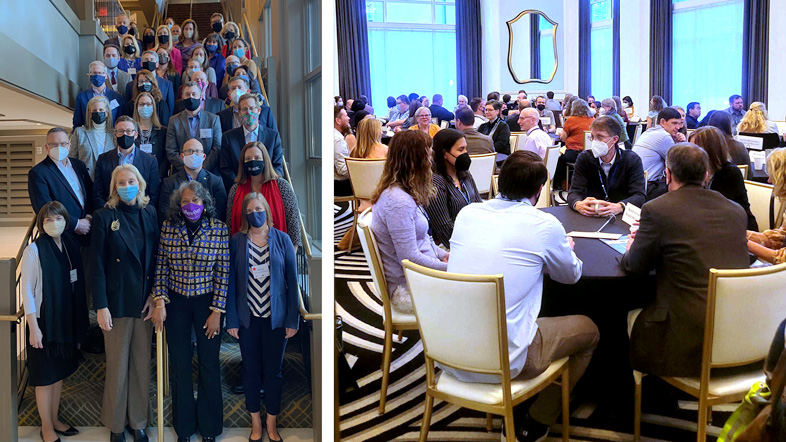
{"type": "Point", "coordinates": [403, 318]}
{"type": "Point", "coordinates": [722, 385]}
{"type": "Point", "coordinates": [492, 393]}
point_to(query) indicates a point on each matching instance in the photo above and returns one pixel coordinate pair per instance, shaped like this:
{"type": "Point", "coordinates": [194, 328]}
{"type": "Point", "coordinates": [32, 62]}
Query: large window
{"type": "Point", "coordinates": [412, 48]}
{"type": "Point", "coordinates": [602, 50]}
{"type": "Point", "coordinates": [707, 52]}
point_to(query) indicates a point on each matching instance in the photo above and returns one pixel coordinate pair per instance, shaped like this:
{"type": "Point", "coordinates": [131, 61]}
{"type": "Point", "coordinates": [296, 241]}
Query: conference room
{"type": "Point", "coordinates": [559, 220]}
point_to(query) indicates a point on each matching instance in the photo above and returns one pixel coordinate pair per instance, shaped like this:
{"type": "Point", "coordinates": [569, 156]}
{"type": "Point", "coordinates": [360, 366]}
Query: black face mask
{"type": "Point", "coordinates": [149, 65]}
{"type": "Point", "coordinates": [192, 104]}
{"type": "Point", "coordinates": [217, 26]}
{"type": "Point", "coordinates": [98, 117]}
{"type": "Point", "coordinates": [144, 87]}
{"type": "Point", "coordinates": [163, 39]}
{"type": "Point", "coordinates": [125, 141]}
{"type": "Point", "coordinates": [541, 107]}
{"type": "Point", "coordinates": [148, 39]}
{"type": "Point", "coordinates": [254, 167]}
{"type": "Point", "coordinates": [229, 35]}
{"type": "Point", "coordinates": [132, 31]}
{"type": "Point", "coordinates": [129, 49]}
{"type": "Point", "coordinates": [462, 162]}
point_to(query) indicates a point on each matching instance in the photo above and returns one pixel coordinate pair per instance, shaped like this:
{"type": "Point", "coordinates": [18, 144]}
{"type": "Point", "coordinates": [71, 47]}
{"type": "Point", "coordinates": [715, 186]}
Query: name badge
{"type": "Point", "coordinates": [546, 121]}
{"type": "Point", "coordinates": [260, 271]}
{"type": "Point", "coordinates": [113, 104]}
{"type": "Point", "coordinates": [147, 148]}
{"type": "Point", "coordinates": [73, 275]}
{"type": "Point", "coordinates": [132, 71]}
{"type": "Point", "coordinates": [205, 133]}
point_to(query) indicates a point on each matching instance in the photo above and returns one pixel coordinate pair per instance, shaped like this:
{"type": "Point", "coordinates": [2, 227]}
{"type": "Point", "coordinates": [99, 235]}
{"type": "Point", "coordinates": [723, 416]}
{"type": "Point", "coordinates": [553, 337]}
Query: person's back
{"type": "Point", "coordinates": [574, 128]}
{"type": "Point", "coordinates": [652, 146]}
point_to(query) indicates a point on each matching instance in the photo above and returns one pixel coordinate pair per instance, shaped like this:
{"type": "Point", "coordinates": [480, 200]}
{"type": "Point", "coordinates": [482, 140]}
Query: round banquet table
{"type": "Point", "coordinates": [605, 293]}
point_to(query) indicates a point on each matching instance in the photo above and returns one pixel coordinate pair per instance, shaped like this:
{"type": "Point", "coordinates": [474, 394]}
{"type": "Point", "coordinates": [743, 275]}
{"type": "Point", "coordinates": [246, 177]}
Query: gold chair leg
{"type": "Point", "coordinates": [400, 335]}
{"type": "Point", "coordinates": [426, 418]}
{"type": "Point", "coordinates": [510, 427]}
{"type": "Point", "coordinates": [386, 355]}
{"type": "Point", "coordinates": [701, 430]}
{"type": "Point", "coordinates": [489, 422]}
{"type": "Point", "coordinates": [637, 376]}
{"type": "Point", "coordinates": [566, 405]}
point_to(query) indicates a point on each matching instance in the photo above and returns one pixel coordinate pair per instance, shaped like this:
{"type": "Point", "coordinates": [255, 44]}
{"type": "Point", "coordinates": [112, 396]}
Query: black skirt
{"type": "Point", "coordinates": [45, 368]}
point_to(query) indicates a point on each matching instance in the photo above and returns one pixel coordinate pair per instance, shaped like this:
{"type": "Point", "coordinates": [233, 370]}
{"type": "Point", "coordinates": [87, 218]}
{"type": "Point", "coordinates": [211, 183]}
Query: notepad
{"type": "Point", "coordinates": [595, 235]}
{"type": "Point", "coordinates": [620, 245]}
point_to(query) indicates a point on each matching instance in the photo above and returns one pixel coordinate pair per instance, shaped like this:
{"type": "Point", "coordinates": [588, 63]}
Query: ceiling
{"type": "Point", "coordinates": [21, 110]}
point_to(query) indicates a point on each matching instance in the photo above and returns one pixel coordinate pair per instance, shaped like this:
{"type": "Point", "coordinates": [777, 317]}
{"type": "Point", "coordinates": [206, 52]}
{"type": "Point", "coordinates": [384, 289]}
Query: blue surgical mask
{"type": "Point", "coordinates": [128, 193]}
{"type": "Point", "coordinates": [239, 53]}
{"type": "Point", "coordinates": [145, 111]}
{"type": "Point", "coordinates": [256, 219]}
{"type": "Point", "coordinates": [97, 80]}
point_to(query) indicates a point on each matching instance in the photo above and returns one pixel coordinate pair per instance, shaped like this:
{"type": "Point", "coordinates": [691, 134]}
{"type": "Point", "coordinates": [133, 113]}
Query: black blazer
{"type": "Point", "coordinates": [682, 235]}
{"type": "Point", "coordinates": [210, 181]}
{"type": "Point", "coordinates": [266, 118]}
{"type": "Point", "coordinates": [46, 183]}
{"type": "Point", "coordinates": [158, 140]}
{"type": "Point", "coordinates": [212, 105]}
{"type": "Point", "coordinates": [501, 137]}
{"type": "Point", "coordinates": [106, 164]}
{"type": "Point", "coordinates": [625, 183]}
{"type": "Point", "coordinates": [121, 279]}
{"type": "Point", "coordinates": [730, 183]}
{"type": "Point", "coordinates": [232, 143]}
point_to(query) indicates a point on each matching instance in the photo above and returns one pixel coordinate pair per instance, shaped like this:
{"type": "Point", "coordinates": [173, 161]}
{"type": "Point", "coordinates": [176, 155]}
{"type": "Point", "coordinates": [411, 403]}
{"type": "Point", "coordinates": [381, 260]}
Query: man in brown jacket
{"type": "Point", "coordinates": [477, 143]}
{"type": "Point", "coordinates": [682, 235]}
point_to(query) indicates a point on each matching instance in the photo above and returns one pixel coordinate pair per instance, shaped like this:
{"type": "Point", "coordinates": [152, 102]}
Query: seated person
{"type": "Point", "coordinates": [606, 177]}
{"type": "Point", "coordinates": [496, 128]}
{"type": "Point", "coordinates": [477, 143]}
{"type": "Point", "coordinates": [537, 141]}
{"type": "Point", "coordinates": [770, 246]}
{"type": "Point", "coordinates": [756, 121]}
{"type": "Point", "coordinates": [577, 120]}
{"type": "Point", "coordinates": [725, 177]}
{"type": "Point", "coordinates": [454, 184]}
{"type": "Point", "coordinates": [667, 336]}
{"type": "Point", "coordinates": [399, 221]}
{"type": "Point", "coordinates": [522, 259]}
{"type": "Point", "coordinates": [653, 145]}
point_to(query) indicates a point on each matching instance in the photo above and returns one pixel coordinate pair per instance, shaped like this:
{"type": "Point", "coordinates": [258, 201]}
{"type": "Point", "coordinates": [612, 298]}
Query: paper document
{"type": "Point", "coordinates": [617, 244]}
{"type": "Point", "coordinates": [631, 214]}
{"type": "Point", "coordinates": [596, 235]}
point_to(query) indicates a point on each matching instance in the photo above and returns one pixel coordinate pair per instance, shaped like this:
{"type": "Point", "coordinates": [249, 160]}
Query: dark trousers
{"type": "Point", "coordinates": [656, 189]}
{"type": "Point", "coordinates": [262, 349]}
{"type": "Point", "coordinates": [207, 412]}
{"type": "Point", "coordinates": [342, 188]}
{"type": "Point", "coordinates": [560, 175]}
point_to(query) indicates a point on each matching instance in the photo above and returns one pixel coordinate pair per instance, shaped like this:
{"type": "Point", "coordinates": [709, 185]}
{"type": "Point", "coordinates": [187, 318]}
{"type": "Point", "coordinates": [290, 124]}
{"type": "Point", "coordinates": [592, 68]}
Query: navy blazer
{"type": "Point", "coordinates": [121, 279]}
{"type": "Point", "coordinates": [167, 91]}
{"type": "Point", "coordinates": [46, 183]}
{"type": "Point", "coordinates": [106, 164]}
{"type": "Point", "coordinates": [232, 143]}
{"type": "Point", "coordinates": [209, 181]}
{"type": "Point", "coordinates": [284, 291]}
{"type": "Point", "coordinates": [266, 118]}
{"type": "Point", "coordinates": [80, 108]}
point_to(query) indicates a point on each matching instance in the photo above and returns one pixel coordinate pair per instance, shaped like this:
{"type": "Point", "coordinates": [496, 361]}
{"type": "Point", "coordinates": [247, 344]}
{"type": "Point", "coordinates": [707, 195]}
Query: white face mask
{"type": "Point", "coordinates": [602, 111]}
{"type": "Point", "coordinates": [193, 161]}
{"type": "Point", "coordinates": [54, 228]}
{"type": "Point", "coordinates": [599, 148]}
{"type": "Point", "coordinates": [58, 154]}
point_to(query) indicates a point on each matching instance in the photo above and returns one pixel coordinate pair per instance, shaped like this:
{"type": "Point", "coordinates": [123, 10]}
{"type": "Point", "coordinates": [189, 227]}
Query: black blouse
{"type": "Point", "coordinates": [444, 208]}
{"type": "Point", "coordinates": [728, 181]}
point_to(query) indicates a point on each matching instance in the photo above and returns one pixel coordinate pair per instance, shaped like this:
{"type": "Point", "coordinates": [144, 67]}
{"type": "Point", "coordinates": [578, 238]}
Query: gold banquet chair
{"type": "Point", "coordinates": [463, 325]}
{"type": "Point", "coordinates": [391, 319]}
{"type": "Point", "coordinates": [364, 174]}
{"type": "Point", "coordinates": [761, 201]}
{"type": "Point", "coordinates": [744, 308]}
{"type": "Point", "coordinates": [482, 168]}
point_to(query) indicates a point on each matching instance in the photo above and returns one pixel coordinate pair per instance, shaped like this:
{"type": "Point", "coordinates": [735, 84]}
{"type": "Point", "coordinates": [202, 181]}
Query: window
{"type": "Point", "coordinates": [313, 92]}
{"type": "Point", "coordinates": [706, 52]}
{"type": "Point", "coordinates": [412, 48]}
{"type": "Point", "coordinates": [602, 51]}
{"type": "Point", "coordinates": [546, 48]}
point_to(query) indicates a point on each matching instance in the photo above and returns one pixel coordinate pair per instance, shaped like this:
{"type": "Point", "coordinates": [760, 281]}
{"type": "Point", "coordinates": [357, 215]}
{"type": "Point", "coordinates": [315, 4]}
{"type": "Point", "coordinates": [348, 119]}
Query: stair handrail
{"type": "Point", "coordinates": [29, 237]}
{"type": "Point", "coordinates": [250, 37]}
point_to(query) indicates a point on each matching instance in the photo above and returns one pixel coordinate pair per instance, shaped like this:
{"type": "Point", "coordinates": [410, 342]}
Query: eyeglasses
{"type": "Point", "coordinates": [599, 138]}
{"type": "Point", "coordinates": [188, 152]}
{"type": "Point", "coordinates": [121, 132]}
{"type": "Point", "coordinates": [63, 144]}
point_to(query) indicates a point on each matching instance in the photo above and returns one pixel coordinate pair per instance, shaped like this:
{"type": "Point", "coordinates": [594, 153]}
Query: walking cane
{"type": "Point", "coordinates": [160, 382]}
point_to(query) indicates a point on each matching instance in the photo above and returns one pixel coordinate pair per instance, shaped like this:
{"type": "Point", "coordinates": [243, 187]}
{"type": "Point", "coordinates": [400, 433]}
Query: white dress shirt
{"type": "Point", "coordinates": [538, 142]}
{"type": "Point", "coordinates": [70, 175]}
{"type": "Point", "coordinates": [251, 135]}
{"type": "Point", "coordinates": [340, 154]}
{"type": "Point", "coordinates": [521, 259]}
{"type": "Point", "coordinates": [31, 281]}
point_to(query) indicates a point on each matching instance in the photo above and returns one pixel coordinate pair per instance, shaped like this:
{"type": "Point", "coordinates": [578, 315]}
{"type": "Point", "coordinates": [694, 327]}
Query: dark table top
{"type": "Point", "coordinates": [758, 175]}
{"type": "Point", "coordinates": [600, 260]}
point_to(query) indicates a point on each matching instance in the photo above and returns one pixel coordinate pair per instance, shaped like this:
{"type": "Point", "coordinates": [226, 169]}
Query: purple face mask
{"type": "Point", "coordinates": [192, 211]}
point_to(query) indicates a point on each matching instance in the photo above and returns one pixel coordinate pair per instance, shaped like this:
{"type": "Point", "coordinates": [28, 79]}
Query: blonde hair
{"type": "Point", "coordinates": [206, 62]}
{"type": "Point", "coordinates": [89, 125]}
{"type": "Point", "coordinates": [268, 174]}
{"type": "Point", "coordinates": [154, 117]}
{"type": "Point", "coordinates": [114, 197]}
{"type": "Point", "coordinates": [194, 36]}
{"type": "Point", "coordinates": [755, 120]}
{"type": "Point", "coordinates": [776, 168]}
{"type": "Point", "coordinates": [409, 166]}
{"type": "Point", "coordinates": [225, 29]}
{"type": "Point", "coordinates": [169, 45]}
{"type": "Point", "coordinates": [246, 201]}
{"type": "Point", "coordinates": [369, 134]}
{"type": "Point", "coordinates": [136, 54]}
{"type": "Point", "coordinates": [155, 91]}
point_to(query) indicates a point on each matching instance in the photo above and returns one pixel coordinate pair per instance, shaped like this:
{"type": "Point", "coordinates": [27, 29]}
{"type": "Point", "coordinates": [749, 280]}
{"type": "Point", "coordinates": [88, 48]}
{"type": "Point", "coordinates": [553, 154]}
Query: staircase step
{"type": "Point", "coordinates": [200, 13]}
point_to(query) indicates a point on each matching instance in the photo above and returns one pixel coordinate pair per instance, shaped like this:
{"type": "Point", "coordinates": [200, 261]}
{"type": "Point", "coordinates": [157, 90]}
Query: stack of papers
{"type": "Point", "coordinates": [619, 244]}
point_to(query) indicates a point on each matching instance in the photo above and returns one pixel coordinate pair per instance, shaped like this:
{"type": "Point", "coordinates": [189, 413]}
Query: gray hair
{"type": "Point", "coordinates": [422, 110]}
{"type": "Point", "coordinates": [174, 211]}
{"type": "Point", "coordinates": [248, 96]}
{"type": "Point", "coordinates": [579, 108]}
{"type": "Point", "coordinates": [96, 63]}
{"type": "Point", "coordinates": [239, 78]}
{"type": "Point", "coordinates": [611, 104]}
{"type": "Point", "coordinates": [151, 52]}
{"type": "Point", "coordinates": [192, 84]}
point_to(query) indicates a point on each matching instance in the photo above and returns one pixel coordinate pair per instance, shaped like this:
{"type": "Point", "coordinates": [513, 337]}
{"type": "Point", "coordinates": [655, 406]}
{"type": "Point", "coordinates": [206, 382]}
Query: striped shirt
{"type": "Point", "coordinates": [258, 288]}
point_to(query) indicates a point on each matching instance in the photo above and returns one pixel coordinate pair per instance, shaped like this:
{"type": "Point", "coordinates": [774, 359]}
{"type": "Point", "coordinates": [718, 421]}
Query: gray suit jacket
{"type": "Point", "coordinates": [123, 78]}
{"type": "Point", "coordinates": [179, 132]}
{"type": "Point", "coordinates": [82, 148]}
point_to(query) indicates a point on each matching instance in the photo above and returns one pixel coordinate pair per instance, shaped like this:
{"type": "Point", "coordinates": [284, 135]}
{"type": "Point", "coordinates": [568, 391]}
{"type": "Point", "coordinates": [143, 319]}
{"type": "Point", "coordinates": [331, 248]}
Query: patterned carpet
{"type": "Point", "coordinates": [668, 414]}
{"type": "Point", "coordinates": [83, 392]}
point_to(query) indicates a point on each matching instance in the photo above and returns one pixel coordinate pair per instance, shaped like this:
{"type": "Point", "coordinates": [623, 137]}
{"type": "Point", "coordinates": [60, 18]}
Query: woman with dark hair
{"type": "Point", "coordinates": [737, 151]}
{"type": "Point", "coordinates": [391, 107]}
{"type": "Point", "coordinates": [414, 105]}
{"type": "Point", "coordinates": [453, 183]}
{"type": "Point", "coordinates": [400, 222]}
{"type": "Point", "coordinates": [657, 104]}
{"type": "Point", "coordinates": [725, 177]}
{"type": "Point", "coordinates": [356, 119]}
{"type": "Point", "coordinates": [192, 273]}
{"type": "Point", "coordinates": [188, 40]}
{"type": "Point", "coordinates": [53, 294]}
{"type": "Point", "coordinates": [627, 104]}
{"type": "Point", "coordinates": [215, 59]}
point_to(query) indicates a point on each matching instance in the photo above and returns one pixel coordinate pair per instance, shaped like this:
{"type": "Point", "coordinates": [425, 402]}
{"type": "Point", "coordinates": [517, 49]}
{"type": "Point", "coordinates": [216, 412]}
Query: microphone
{"type": "Point", "coordinates": [612, 218]}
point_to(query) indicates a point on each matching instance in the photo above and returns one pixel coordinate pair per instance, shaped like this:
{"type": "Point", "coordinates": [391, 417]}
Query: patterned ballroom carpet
{"type": "Point", "coordinates": [668, 414]}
